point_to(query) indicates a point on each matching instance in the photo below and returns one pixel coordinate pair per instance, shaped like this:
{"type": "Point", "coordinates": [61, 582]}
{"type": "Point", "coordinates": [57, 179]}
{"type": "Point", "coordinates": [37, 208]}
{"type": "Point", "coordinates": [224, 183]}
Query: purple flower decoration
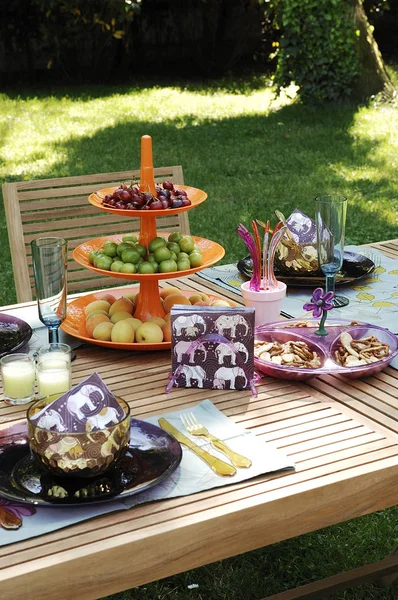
{"type": "Point", "coordinates": [320, 302]}
{"type": "Point", "coordinates": [11, 514]}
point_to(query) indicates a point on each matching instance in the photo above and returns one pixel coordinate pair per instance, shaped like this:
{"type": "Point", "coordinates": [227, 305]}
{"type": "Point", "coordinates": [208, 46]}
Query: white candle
{"type": "Point", "coordinates": [53, 381]}
{"type": "Point", "coordinates": [18, 379]}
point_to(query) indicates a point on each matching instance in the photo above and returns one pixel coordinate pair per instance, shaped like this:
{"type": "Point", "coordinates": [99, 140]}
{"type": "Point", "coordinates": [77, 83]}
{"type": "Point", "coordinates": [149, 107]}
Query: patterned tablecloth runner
{"type": "Point", "coordinates": [191, 476]}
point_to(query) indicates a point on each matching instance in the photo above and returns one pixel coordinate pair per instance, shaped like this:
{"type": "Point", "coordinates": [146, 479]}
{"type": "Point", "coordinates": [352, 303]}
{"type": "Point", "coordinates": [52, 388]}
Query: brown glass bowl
{"type": "Point", "coordinates": [85, 454]}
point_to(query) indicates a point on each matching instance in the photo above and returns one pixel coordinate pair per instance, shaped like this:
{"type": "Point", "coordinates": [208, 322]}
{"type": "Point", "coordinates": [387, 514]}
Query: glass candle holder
{"type": "Point", "coordinates": [18, 375]}
{"type": "Point", "coordinates": [53, 369]}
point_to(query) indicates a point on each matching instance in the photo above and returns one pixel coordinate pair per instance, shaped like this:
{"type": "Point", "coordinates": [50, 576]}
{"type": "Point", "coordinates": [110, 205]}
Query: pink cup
{"type": "Point", "coordinates": [267, 303]}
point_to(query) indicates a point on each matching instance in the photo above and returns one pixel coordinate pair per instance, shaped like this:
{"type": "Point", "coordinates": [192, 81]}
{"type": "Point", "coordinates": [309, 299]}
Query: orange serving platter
{"type": "Point", "coordinates": [195, 195]}
{"type": "Point", "coordinates": [211, 252]}
{"type": "Point", "coordinates": [75, 322]}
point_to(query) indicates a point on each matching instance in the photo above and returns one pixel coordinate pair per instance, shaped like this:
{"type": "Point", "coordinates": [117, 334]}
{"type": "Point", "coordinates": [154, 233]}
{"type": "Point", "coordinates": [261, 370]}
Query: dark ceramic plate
{"type": "Point", "coordinates": [152, 456]}
{"type": "Point", "coordinates": [14, 333]}
{"type": "Point", "coordinates": [355, 267]}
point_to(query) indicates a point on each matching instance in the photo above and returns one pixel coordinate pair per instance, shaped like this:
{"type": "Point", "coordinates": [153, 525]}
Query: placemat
{"type": "Point", "coordinates": [372, 300]}
{"type": "Point", "coordinates": [191, 476]}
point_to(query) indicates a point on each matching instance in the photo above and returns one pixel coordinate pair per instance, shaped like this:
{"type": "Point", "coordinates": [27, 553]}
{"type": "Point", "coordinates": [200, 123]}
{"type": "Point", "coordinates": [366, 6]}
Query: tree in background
{"type": "Point", "coordinates": [327, 48]}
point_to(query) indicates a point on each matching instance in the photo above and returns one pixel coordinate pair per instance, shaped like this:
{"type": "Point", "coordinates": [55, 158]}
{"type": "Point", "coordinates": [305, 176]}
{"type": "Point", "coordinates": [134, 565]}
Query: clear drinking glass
{"type": "Point", "coordinates": [18, 375]}
{"type": "Point", "coordinates": [330, 217]}
{"type": "Point", "coordinates": [53, 369]}
{"type": "Point", "coordinates": [50, 260]}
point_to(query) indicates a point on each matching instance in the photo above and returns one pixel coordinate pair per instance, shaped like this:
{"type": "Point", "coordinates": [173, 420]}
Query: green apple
{"type": "Point", "coordinates": [130, 255]}
{"type": "Point", "coordinates": [183, 264]}
{"type": "Point", "coordinates": [146, 268]}
{"type": "Point", "coordinates": [103, 262]}
{"type": "Point", "coordinates": [128, 268]}
{"type": "Point", "coordinates": [157, 242]}
{"type": "Point", "coordinates": [186, 244]}
{"type": "Point", "coordinates": [173, 247]}
{"type": "Point", "coordinates": [141, 250]}
{"type": "Point", "coordinates": [130, 237]}
{"type": "Point", "coordinates": [175, 237]}
{"type": "Point", "coordinates": [122, 247]}
{"type": "Point", "coordinates": [162, 254]}
{"type": "Point", "coordinates": [182, 255]}
{"type": "Point", "coordinates": [196, 259]}
{"type": "Point", "coordinates": [167, 266]}
{"type": "Point", "coordinates": [110, 249]}
{"type": "Point", "coordinates": [116, 266]}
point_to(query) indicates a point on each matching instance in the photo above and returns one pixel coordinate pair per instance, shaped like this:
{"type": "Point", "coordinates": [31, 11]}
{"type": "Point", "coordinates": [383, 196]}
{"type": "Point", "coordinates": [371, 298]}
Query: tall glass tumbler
{"type": "Point", "coordinates": [50, 261]}
{"type": "Point", "coordinates": [330, 217]}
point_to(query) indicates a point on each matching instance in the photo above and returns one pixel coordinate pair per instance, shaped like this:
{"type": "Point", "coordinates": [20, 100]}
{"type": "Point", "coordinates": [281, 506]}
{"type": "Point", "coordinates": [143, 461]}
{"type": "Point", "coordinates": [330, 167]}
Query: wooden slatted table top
{"type": "Point", "coordinates": [342, 435]}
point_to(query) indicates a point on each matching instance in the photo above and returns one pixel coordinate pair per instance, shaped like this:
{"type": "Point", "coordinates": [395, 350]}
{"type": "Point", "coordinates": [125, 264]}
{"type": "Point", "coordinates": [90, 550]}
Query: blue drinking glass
{"type": "Point", "coordinates": [50, 261]}
{"type": "Point", "coordinates": [330, 217]}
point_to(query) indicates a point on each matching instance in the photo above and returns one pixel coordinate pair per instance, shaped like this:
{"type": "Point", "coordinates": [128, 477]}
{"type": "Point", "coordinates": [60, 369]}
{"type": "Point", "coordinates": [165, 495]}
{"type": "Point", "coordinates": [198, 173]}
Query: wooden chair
{"type": "Point", "coordinates": [59, 207]}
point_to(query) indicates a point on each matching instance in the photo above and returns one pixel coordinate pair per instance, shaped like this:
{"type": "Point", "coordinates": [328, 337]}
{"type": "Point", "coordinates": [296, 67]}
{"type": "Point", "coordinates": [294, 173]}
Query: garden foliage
{"type": "Point", "coordinates": [317, 47]}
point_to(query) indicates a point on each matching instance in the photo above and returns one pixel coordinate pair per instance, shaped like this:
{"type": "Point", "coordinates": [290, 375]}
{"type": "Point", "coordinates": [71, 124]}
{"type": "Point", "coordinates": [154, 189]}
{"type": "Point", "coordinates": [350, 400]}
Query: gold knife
{"type": "Point", "coordinates": [218, 466]}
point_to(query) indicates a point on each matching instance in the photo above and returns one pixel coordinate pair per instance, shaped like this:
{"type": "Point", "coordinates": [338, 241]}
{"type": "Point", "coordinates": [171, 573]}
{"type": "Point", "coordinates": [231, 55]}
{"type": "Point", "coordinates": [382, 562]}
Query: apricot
{"type": "Point", "coordinates": [220, 302]}
{"type": "Point", "coordinates": [122, 332]}
{"type": "Point", "coordinates": [169, 301]}
{"type": "Point", "coordinates": [108, 297]}
{"type": "Point", "coordinates": [194, 298]}
{"type": "Point", "coordinates": [97, 305]}
{"type": "Point", "coordinates": [93, 321]}
{"type": "Point", "coordinates": [97, 312]}
{"type": "Point", "coordinates": [149, 333]}
{"type": "Point", "coordinates": [130, 296]}
{"type": "Point", "coordinates": [103, 331]}
{"type": "Point", "coordinates": [205, 297]}
{"type": "Point", "coordinates": [202, 303]}
{"type": "Point", "coordinates": [168, 291]}
{"type": "Point", "coordinates": [122, 304]}
{"type": "Point", "coordinates": [134, 322]}
{"type": "Point", "coordinates": [120, 316]}
{"type": "Point", "coordinates": [158, 320]}
{"type": "Point", "coordinates": [167, 332]}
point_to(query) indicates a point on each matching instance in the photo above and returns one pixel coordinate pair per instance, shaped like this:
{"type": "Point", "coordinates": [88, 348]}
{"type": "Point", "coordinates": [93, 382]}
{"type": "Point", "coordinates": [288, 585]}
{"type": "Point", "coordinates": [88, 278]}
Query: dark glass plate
{"type": "Point", "coordinates": [152, 456]}
{"type": "Point", "coordinates": [355, 267]}
{"type": "Point", "coordinates": [14, 333]}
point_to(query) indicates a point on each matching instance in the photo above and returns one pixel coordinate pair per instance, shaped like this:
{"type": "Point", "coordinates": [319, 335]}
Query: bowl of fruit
{"type": "Point", "coordinates": [129, 199]}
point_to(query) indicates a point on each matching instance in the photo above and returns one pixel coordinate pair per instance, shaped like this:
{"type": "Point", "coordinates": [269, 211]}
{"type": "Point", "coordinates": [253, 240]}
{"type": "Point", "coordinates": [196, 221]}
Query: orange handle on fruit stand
{"type": "Point", "coordinates": [147, 184]}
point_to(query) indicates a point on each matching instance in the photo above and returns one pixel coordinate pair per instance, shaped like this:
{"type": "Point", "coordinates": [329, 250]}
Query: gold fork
{"type": "Point", "coordinates": [193, 427]}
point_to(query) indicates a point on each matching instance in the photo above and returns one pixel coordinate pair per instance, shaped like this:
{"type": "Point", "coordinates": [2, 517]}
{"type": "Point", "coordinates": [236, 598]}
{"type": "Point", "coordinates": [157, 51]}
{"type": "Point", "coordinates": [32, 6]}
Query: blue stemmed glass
{"type": "Point", "coordinates": [50, 260]}
{"type": "Point", "coordinates": [330, 217]}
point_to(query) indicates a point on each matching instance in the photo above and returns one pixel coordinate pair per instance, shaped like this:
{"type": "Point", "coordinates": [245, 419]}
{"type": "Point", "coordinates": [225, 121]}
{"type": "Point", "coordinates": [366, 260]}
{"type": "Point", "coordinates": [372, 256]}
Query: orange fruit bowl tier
{"type": "Point", "coordinates": [75, 322]}
{"type": "Point", "coordinates": [195, 195]}
{"type": "Point", "coordinates": [211, 253]}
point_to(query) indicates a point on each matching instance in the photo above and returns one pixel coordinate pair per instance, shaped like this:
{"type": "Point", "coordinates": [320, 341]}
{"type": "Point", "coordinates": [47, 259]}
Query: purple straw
{"type": "Point", "coordinates": [255, 281]}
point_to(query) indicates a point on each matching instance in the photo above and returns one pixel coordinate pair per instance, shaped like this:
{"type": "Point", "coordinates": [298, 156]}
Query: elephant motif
{"type": "Point", "coordinates": [181, 347]}
{"type": "Point", "coordinates": [223, 350]}
{"type": "Point", "coordinates": [191, 325]}
{"type": "Point", "coordinates": [82, 398]}
{"type": "Point", "coordinates": [193, 373]}
{"type": "Point", "coordinates": [230, 322]}
{"type": "Point", "coordinates": [224, 374]}
{"type": "Point", "coordinates": [107, 416]}
{"type": "Point", "coordinates": [51, 419]}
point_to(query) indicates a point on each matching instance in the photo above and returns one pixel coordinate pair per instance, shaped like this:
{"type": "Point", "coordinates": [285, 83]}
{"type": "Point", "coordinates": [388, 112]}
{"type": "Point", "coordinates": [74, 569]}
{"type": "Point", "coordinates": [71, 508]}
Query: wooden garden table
{"type": "Point", "coordinates": [343, 436]}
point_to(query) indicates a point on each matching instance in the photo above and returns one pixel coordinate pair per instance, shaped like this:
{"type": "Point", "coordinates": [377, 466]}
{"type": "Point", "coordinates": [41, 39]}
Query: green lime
{"type": "Point", "coordinates": [128, 268]}
{"type": "Point", "coordinates": [146, 268]}
{"type": "Point", "coordinates": [196, 249]}
{"type": "Point", "coordinates": [182, 255]}
{"type": "Point", "coordinates": [161, 254]}
{"type": "Point", "coordinates": [173, 256]}
{"type": "Point", "coordinates": [157, 242]}
{"type": "Point", "coordinates": [116, 266]}
{"type": "Point", "coordinates": [92, 256]}
{"type": "Point", "coordinates": [167, 266]}
{"type": "Point", "coordinates": [130, 237]}
{"type": "Point", "coordinates": [151, 258]}
{"type": "Point", "coordinates": [130, 255]}
{"type": "Point", "coordinates": [110, 249]}
{"type": "Point", "coordinates": [103, 262]}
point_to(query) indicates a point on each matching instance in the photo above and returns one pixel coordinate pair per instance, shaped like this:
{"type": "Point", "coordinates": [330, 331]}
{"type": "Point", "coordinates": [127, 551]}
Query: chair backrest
{"type": "Point", "coordinates": [59, 207]}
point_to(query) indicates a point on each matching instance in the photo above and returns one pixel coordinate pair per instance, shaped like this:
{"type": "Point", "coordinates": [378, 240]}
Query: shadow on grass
{"type": "Point", "coordinates": [249, 165]}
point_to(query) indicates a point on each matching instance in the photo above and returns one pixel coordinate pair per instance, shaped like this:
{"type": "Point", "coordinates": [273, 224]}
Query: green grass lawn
{"type": "Point", "coordinates": [251, 153]}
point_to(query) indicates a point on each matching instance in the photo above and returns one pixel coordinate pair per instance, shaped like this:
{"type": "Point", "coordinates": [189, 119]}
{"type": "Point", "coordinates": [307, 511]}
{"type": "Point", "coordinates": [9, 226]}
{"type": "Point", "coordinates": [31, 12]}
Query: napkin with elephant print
{"type": "Point", "coordinates": [212, 346]}
{"type": "Point", "coordinates": [88, 406]}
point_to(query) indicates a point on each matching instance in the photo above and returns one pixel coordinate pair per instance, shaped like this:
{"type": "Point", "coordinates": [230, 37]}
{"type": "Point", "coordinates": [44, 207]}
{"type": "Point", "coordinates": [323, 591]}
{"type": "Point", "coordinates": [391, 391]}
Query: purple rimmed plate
{"type": "Point", "coordinates": [325, 346]}
{"type": "Point", "coordinates": [14, 333]}
{"type": "Point", "coordinates": [152, 456]}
